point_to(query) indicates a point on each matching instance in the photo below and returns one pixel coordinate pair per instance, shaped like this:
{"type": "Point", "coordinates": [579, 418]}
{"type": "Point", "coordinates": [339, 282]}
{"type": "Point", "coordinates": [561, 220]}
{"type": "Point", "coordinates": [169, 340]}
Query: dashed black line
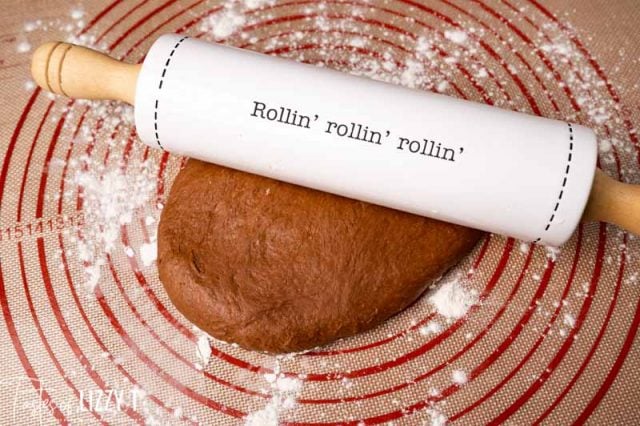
{"type": "Point", "coordinates": [157, 103]}
{"type": "Point", "coordinates": [564, 182]}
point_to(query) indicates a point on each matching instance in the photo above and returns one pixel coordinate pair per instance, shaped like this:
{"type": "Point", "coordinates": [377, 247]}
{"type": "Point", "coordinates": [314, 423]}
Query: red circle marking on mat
{"type": "Point", "coordinates": [81, 310]}
{"type": "Point", "coordinates": [618, 362]}
{"type": "Point", "coordinates": [135, 269]}
{"type": "Point", "coordinates": [4, 302]}
{"type": "Point", "coordinates": [618, 167]}
{"type": "Point", "coordinates": [634, 137]}
{"type": "Point", "coordinates": [94, 333]}
{"type": "Point", "coordinates": [573, 380]}
{"type": "Point", "coordinates": [144, 358]}
{"type": "Point", "coordinates": [120, 20]}
{"type": "Point", "coordinates": [89, 151]}
{"type": "Point", "coordinates": [597, 68]}
{"type": "Point", "coordinates": [17, 344]}
{"type": "Point", "coordinates": [81, 358]}
{"type": "Point", "coordinates": [56, 309]}
{"type": "Point", "coordinates": [458, 354]}
{"type": "Point", "coordinates": [272, 21]}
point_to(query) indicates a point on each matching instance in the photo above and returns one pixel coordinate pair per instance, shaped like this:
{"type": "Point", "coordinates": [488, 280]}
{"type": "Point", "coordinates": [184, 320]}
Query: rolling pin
{"type": "Point", "coordinates": [505, 172]}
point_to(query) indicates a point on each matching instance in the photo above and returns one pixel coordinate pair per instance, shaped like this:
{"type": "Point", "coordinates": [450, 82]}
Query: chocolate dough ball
{"type": "Point", "coordinates": [280, 268]}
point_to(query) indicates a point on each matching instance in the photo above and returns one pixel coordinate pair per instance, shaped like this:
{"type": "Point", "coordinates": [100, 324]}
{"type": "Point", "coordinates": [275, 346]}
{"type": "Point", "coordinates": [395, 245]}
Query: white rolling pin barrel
{"type": "Point", "coordinates": [500, 171]}
{"type": "Point", "coordinates": [432, 155]}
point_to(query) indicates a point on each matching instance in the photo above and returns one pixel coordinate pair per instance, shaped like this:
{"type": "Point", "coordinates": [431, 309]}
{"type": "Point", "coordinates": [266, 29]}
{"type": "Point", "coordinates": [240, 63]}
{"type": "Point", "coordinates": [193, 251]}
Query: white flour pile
{"type": "Point", "coordinates": [112, 197]}
{"type": "Point", "coordinates": [284, 393]}
{"type": "Point", "coordinates": [114, 192]}
{"type": "Point", "coordinates": [452, 300]}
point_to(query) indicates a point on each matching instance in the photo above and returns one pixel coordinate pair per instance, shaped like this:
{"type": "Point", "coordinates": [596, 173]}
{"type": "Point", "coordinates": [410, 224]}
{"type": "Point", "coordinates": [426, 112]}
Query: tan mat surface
{"type": "Point", "coordinates": [84, 315]}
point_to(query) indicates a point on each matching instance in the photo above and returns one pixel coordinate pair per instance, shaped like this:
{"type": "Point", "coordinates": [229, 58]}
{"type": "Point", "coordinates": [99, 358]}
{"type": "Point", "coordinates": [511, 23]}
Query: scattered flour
{"type": "Point", "coordinates": [177, 412]}
{"type": "Point", "coordinates": [432, 65]}
{"type": "Point", "coordinates": [598, 109]}
{"type": "Point", "coordinates": [203, 351]}
{"type": "Point", "coordinates": [30, 26]}
{"type": "Point", "coordinates": [552, 252]}
{"type": "Point", "coordinates": [149, 253]}
{"type": "Point", "coordinates": [62, 28]}
{"type": "Point", "coordinates": [569, 320]}
{"type": "Point", "coordinates": [458, 37]}
{"type": "Point", "coordinates": [224, 23]}
{"type": "Point", "coordinates": [604, 145]}
{"type": "Point", "coordinates": [77, 13]}
{"type": "Point", "coordinates": [442, 86]}
{"type": "Point", "coordinates": [23, 47]}
{"type": "Point", "coordinates": [255, 4]}
{"type": "Point", "coordinates": [436, 417]}
{"type": "Point", "coordinates": [141, 403]}
{"type": "Point", "coordinates": [284, 393]}
{"type": "Point", "coordinates": [459, 377]}
{"type": "Point", "coordinates": [111, 199]}
{"type": "Point", "coordinates": [452, 300]}
{"type": "Point", "coordinates": [432, 327]}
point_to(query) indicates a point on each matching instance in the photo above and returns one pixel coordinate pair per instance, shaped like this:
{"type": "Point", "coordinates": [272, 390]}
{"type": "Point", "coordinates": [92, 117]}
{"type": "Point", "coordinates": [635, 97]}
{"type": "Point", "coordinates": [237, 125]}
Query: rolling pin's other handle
{"type": "Point", "coordinates": [614, 202]}
{"type": "Point", "coordinates": [79, 72]}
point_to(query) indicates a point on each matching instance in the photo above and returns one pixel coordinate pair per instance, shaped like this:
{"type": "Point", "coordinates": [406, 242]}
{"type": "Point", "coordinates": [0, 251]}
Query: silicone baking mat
{"type": "Point", "coordinates": [552, 337]}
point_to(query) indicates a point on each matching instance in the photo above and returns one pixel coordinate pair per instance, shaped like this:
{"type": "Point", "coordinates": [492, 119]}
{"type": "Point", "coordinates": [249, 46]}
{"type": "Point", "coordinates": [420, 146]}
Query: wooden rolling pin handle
{"type": "Point", "coordinates": [614, 202]}
{"type": "Point", "coordinates": [79, 72]}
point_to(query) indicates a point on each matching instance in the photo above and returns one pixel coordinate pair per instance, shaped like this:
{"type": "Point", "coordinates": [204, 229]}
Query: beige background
{"type": "Point", "coordinates": [595, 363]}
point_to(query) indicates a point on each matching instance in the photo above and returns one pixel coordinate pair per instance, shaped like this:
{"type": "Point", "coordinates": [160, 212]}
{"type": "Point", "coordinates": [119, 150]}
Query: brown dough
{"type": "Point", "coordinates": [279, 268]}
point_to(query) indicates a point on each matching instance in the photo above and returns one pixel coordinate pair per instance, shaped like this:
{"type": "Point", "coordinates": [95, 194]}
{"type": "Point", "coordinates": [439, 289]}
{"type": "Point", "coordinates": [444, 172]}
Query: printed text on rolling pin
{"type": "Point", "coordinates": [355, 131]}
